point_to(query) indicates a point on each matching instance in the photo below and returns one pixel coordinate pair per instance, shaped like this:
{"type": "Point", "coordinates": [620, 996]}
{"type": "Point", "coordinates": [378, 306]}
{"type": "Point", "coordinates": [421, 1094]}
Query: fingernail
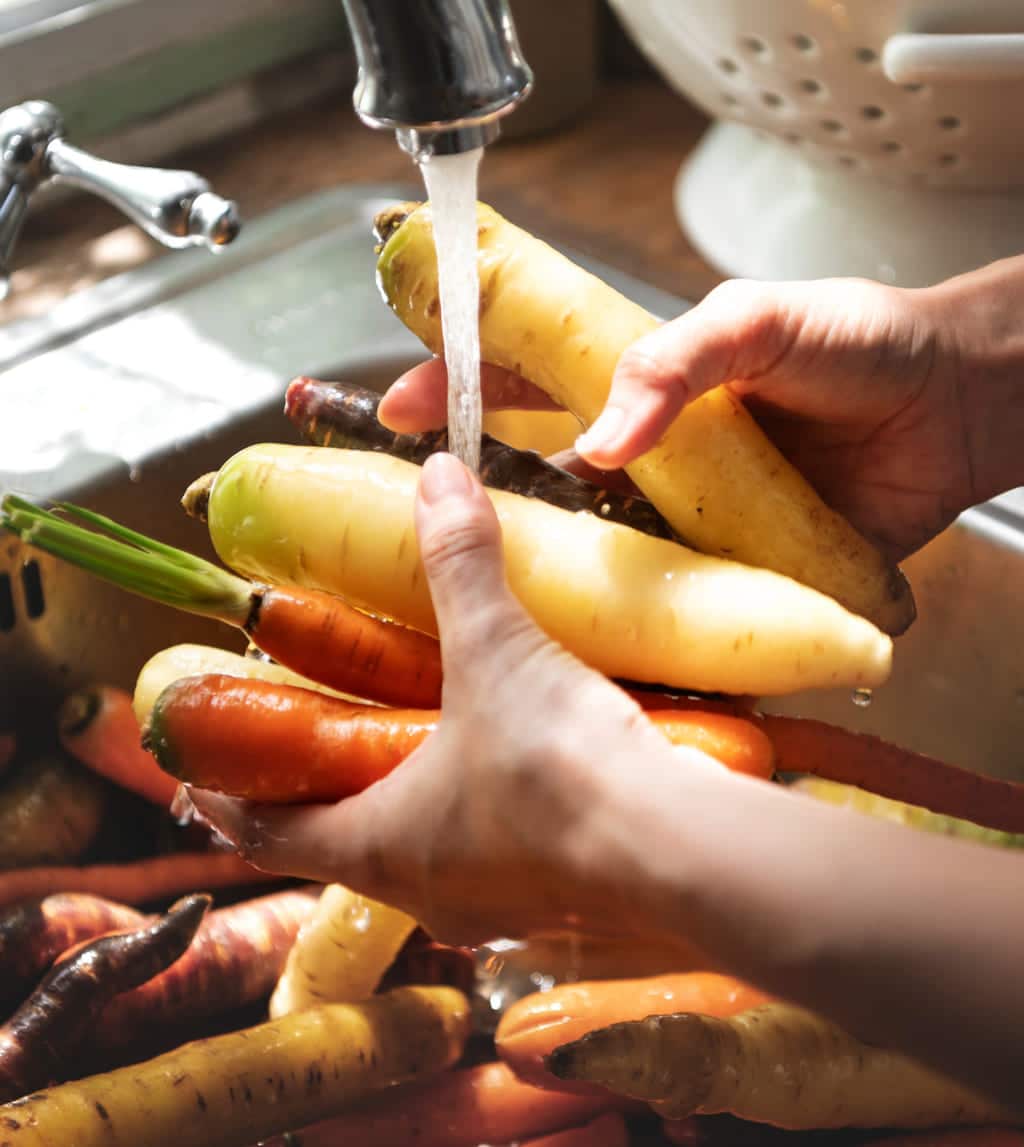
{"type": "Point", "coordinates": [444, 477]}
{"type": "Point", "coordinates": [603, 433]}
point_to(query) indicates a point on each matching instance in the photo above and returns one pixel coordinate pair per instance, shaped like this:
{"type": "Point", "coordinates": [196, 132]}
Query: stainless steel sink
{"type": "Point", "coordinates": [124, 394]}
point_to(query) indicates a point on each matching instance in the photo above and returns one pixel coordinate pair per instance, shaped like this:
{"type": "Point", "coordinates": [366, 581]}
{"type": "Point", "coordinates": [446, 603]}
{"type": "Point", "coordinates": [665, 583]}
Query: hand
{"type": "Point", "coordinates": [507, 819]}
{"type": "Point", "coordinates": [862, 386]}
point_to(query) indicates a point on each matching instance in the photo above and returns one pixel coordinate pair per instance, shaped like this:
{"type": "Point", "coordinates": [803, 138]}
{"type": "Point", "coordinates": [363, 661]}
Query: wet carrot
{"type": "Point", "coordinates": [327, 640]}
{"type": "Point", "coordinates": [34, 933]}
{"type": "Point", "coordinates": [605, 1131]}
{"type": "Point", "coordinates": [535, 1025]}
{"type": "Point", "coordinates": [314, 633]}
{"type": "Point", "coordinates": [280, 743]}
{"type": "Point", "coordinates": [734, 741]}
{"type": "Point", "coordinates": [461, 1108]}
{"type": "Point", "coordinates": [39, 1042]}
{"type": "Point", "coordinates": [137, 882]}
{"type": "Point", "coordinates": [98, 728]}
{"type": "Point", "coordinates": [803, 745]}
{"type": "Point", "coordinates": [234, 960]}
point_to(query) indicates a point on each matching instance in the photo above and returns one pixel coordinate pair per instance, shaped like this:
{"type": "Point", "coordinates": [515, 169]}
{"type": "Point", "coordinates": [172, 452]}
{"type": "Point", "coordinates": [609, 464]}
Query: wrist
{"type": "Point", "coordinates": [982, 311]}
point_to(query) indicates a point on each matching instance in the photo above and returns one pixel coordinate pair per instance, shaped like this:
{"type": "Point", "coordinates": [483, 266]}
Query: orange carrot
{"type": "Point", "coordinates": [535, 1025]}
{"type": "Point", "coordinates": [34, 933]}
{"type": "Point", "coordinates": [313, 633]}
{"type": "Point", "coordinates": [803, 745]}
{"type": "Point", "coordinates": [234, 959]}
{"type": "Point", "coordinates": [98, 727]}
{"type": "Point", "coordinates": [137, 882]}
{"type": "Point", "coordinates": [605, 1131]}
{"type": "Point", "coordinates": [461, 1108]}
{"type": "Point", "coordinates": [327, 640]}
{"type": "Point", "coordinates": [280, 743]}
{"type": "Point", "coordinates": [734, 741]}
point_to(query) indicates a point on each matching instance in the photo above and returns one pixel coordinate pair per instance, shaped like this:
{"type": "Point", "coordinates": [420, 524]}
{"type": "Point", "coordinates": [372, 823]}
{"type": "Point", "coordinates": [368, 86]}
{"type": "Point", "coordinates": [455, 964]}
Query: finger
{"type": "Point", "coordinates": [460, 546]}
{"type": "Point", "coordinates": [418, 400]}
{"type": "Point", "coordinates": [733, 332]}
{"type": "Point", "coordinates": [618, 480]}
{"type": "Point", "coordinates": [326, 843]}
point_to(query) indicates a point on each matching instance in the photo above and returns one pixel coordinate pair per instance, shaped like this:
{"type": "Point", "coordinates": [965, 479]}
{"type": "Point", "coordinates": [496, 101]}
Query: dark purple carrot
{"type": "Point", "coordinates": [39, 1042]}
{"type": "Point", "coordinates": [336, 414]}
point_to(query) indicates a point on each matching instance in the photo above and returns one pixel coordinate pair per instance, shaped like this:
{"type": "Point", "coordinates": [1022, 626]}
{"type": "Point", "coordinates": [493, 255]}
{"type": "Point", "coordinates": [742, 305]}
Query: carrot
{"type": "Point", "coordinates": [734, 741]}
{"type": "Point", "coordinates": [34, 933]}
{"type": "Point", "coordinates": [98, 728]}
{"type": "Point", "coordinates": [425, 961]}
{"type": "Point", "coordinates": [277, 743]}
{"type": "Point", "coordinates": [237, 1089]}
{"type": "Point", "coordinates": [605, 1131]}
{"type": "Point", "coordinates": [51, 811]}
{"type": "Point", "coordinates": [234, 960]}
{"type": "Point", "coordinates": [40, 1040]}
{"type": "Point", "coordinates": [8, 747]}
{"type": "Point", "coordinates": [314, 633]}
{"type": "Point", "coordinates": [336, 414]}
{"type": "Point", "coordinates": [137, 882]}
{"type": "Point", "coordinates": [957, 1137]}
{"type": "Point", "coordinates": [534, 1026]}
{"type": "Point", "coordinates": [462, 1108]}
{"type": "Point", "coordinates": [775, 1064]}
{"type": "Point", "coordinates": [803, 745]}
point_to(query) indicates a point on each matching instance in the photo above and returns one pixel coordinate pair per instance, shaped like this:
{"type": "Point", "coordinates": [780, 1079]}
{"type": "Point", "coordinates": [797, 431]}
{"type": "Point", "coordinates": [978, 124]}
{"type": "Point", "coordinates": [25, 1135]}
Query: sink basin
{"type": "Point", "coordinates": [124, 394]}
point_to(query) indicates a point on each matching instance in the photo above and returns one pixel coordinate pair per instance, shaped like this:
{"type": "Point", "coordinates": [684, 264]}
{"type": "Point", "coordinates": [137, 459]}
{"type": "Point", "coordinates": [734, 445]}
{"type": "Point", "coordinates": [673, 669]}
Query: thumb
{"type": "Point", "coordinates": [739, 329]}
{"type": "Point", "coordinates": [461, 549]}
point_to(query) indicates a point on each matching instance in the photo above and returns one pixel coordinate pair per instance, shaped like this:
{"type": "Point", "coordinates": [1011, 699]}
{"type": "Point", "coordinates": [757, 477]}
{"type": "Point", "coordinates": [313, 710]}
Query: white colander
{"type": "Point", "coordinates": [872, 137]}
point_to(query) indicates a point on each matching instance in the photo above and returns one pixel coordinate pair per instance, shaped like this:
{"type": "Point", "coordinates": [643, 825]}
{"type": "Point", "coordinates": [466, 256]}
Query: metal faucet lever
{"type": "Point", "coordinates": [176, 207]}
{"type": "Point", "coordinates": [440, 73]}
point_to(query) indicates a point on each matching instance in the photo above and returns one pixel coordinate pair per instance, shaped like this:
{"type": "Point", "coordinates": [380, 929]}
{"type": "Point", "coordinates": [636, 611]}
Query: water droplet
{"type": "Point", "coordinates": [182, 808]}
{"type": "Point", "coordinates": [135, 474]}
{"type": "Point", "coordinates": [861, 697]}
{"type": "Point", "coordinates": [360, 917]}
{"type": "Point", "coordinates": [5, 286]}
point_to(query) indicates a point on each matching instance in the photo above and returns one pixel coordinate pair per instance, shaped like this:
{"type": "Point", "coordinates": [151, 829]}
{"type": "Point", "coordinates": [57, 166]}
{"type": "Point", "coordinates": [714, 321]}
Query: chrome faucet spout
{"type": "Point", "coordinates": [439, 73]}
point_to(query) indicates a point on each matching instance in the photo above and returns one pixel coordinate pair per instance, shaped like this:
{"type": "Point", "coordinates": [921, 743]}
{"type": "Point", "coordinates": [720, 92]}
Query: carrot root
{"type": "Point", "coordinates": [138, 882]}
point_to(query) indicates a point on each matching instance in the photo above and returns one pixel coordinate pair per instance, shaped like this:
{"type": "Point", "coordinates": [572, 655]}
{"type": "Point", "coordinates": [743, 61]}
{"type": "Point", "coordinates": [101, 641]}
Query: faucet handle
{"type": "Point", "coordinates": [176, 207]}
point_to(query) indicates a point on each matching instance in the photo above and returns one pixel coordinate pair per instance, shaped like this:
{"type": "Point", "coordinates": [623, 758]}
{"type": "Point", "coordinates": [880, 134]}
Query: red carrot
{"type": "Point", "coordinates": [234, 959]}
{"type": "Point", "coordinates": [279, 743]}
{"type": "Point", "coordinates": [98, 727]}
{"type": "Point", "coordinates": [34, 933]}
{"type": "Point", "coordinates": [137, 882]}
{"type": "Point", "coordinates": [461, 1108]}
{"type": "Point", "coordinates": [803, 745]}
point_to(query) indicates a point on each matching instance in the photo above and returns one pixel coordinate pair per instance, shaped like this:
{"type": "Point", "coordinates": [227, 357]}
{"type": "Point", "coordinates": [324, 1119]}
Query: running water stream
{"type": "Point", "coordinates": [451, 182]}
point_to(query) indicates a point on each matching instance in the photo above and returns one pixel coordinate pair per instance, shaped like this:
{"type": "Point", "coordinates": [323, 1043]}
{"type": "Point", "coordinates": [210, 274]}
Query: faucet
{"type": "Point", "coordinates": [440, 73]}
{"type": "Point", "coordinates": [175, 207]}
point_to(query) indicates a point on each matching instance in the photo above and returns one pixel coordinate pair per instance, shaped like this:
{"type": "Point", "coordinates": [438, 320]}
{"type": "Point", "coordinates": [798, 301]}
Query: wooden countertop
{"type": "Point", "coordinates": [603, 186]}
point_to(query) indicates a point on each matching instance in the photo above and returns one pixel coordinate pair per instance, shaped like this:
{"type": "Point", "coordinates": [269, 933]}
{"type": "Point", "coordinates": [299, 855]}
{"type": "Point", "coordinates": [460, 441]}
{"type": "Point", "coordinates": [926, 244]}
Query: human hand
{"type": "Point", "coordinates": [507, 820]}
{"type": "Point", "coordinates": [860, 385]}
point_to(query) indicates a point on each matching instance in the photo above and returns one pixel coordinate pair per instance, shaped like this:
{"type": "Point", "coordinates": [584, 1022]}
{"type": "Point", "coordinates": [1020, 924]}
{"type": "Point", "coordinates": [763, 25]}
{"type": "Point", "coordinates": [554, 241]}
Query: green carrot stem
{"type": "Point", "coordinates": [131, 560]}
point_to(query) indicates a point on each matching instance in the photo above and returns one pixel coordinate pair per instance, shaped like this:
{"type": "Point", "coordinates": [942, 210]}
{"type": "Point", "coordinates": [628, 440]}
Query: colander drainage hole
{"type": "Point", "coordinates": [891, 146]}
{"type": "Point", "coordinates": [949, 123]}
{"type": "Point", "coordinates": [754, 45]}
{"type": "Point", "coordinates": [872, 112]}
{"type": "Point", "coordinates": [6, 604]}
{"type": "Point", "coordinates": [772, 99]}
{"type": "Point", "coordinates": [803, 43]}
{"type": "Point", "coordinates": [866, 55]}
{"type": "Point", "coordinates": [811, 87]}
{"type": "Point", "coordinates": [728, 65]}
{"type": "Point", "coordinates": [32, 584]}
